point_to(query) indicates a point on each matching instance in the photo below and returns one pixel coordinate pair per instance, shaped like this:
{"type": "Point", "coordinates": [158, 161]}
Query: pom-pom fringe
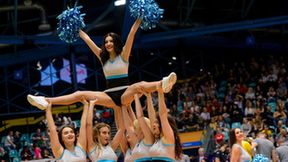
{"type": "Point", "coordinates": [260, 158]}
{"type": "Point", "coordinates": [70, 22]}
{"type": "Point", "coordinates": [148, 11]}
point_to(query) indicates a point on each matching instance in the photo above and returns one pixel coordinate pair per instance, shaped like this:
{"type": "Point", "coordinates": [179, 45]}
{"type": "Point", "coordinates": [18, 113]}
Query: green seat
{"type": "Point", "coordinates": [13, 153]}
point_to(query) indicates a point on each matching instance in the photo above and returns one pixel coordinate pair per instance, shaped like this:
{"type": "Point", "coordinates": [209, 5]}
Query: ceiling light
{"type": "Point", "coordinates": [174, 58]}
{"type": "Point", "coordinates": [39, 66]}
{"type": "Point", "coordinates": [119, 2]}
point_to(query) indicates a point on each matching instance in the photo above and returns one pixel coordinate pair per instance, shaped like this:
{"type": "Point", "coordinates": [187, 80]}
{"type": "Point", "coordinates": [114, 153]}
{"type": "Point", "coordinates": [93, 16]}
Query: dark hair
{"type": "Point", "coordinates": [60, 135]}
{"type": "Point", "coordinates": [178, 146]}
{"type": "Point", "coordinates": [232, 137]}
{"type": "Point", "coordinates": [118, 46]}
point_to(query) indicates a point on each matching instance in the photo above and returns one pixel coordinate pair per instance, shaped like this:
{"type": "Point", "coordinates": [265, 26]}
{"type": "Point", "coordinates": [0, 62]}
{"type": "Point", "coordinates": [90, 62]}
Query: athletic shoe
{"type": "Point", "coordinates": [168, 82]}
{"type": "Point", "coordinates": [38, 101]}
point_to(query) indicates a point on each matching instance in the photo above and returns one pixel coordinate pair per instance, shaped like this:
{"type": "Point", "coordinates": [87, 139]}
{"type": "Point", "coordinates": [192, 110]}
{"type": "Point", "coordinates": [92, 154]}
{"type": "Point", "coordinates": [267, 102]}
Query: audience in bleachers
{"type": "Point", "coordinates": [3, 155]}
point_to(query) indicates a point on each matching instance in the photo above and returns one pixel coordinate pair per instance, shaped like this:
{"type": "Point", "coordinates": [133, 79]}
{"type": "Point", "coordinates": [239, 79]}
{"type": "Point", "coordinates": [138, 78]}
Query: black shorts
{"type": "Point", "coordinates": [114, 83]}
{"type": "Point", "coordinates": [116, 96]}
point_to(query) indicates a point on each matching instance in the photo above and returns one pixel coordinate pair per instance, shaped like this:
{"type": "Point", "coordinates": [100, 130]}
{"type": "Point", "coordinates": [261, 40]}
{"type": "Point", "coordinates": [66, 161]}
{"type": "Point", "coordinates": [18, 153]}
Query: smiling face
{"type": "Point", "coordinates": [104, 135]}
{"type": "Point", "coordinates": [109, 44]}
{"type": "Point", "coordinates": [239, 134]}
{"type": "Point", "coordinates": [68, 135]}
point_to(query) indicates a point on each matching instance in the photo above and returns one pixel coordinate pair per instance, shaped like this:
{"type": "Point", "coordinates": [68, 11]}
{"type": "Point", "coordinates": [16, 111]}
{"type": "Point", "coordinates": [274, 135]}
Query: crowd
{"type": "Point", "coordinates": [250, 95]}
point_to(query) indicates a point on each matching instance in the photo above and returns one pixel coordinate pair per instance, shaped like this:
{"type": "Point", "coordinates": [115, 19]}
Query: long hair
{"type": "Point", "coordinates": [178, 146]}
{"type": "Point", "coordinates": [118, 46]}
{"type": "Point", "coordinates": [137, 126]}
{"type": "Point", "coordinates": [60, 135]}
{"type": "Point", "coordinates": [96, 136]}
{"type": "Point", "coordinates": [232, 137]}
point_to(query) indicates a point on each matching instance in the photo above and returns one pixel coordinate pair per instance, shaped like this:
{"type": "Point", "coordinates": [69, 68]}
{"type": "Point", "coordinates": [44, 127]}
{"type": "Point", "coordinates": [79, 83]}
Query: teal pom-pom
{"type": "Point", "coordinates": [70, 22]}
{"type": "Point", "coordinates": [260, 158]}
{"type": "Point", "coordinates": [148, 11]}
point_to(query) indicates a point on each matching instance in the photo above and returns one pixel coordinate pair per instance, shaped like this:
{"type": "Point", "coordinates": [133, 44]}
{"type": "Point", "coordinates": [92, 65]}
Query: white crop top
{"type": "Point", "coordinates": [162, 151]}
{"type": "Point", "coordinates": [79, 155]}
{"type": "Point", "coordinates": [106, 154]}
{"type": "Point", "coordinates": [117, 68]}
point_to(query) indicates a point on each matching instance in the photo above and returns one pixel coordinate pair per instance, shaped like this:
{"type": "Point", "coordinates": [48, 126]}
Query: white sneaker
{"type": "Point", "coordinates": [38, 101]}
{"type": "Point", "coordinates": [168, 82]}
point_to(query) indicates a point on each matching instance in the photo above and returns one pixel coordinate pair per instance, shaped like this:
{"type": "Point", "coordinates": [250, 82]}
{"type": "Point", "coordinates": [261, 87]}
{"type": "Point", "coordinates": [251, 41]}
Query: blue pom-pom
{"type": "Point", "coordinates": [70, 22]}
{"type": "Point", "coordinates": [148, 11]}
{"type": "Point", "coordinates": [260, 158]}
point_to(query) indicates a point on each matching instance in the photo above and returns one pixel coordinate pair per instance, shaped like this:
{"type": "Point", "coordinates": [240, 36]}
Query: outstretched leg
{"type": "Point", "coordinates": [42, 102]}
{"type": "Point", "coordinates": [148, 87]}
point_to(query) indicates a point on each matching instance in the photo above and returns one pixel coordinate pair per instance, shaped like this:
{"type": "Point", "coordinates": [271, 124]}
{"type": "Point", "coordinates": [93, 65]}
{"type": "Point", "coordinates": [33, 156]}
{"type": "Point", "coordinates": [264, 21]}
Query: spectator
{"type": "Point", "coordinates": [9, 141]}
{"type": "Point", "coordinates": [261, 145]}
{"type": "Point", "coordinates": [201, 156]}
{"type": "Point", "coordinates": [221, 153]}
{"type": "Point", "coordinates": [46, 140]}
{"type": "Point", "coordinates": [46, 154]}
{"type": "Point", "coordinates": [37, 138]}
{"type": "Point", "coordinates": [184, 158]}
{"type": "Point", "coordinates": [205, 115]}
{"type": "Point", "coordinates": [280, 126]}
{"type": "Point", "coordinates": [250, 94]}
{"type": "Point", "coordinates": [37, 152]}
{"type": "Point", "coordinates": [26, 154]}
{"type": "Point", "coordinates": [17, 141]}
{"type": "Point", "coordinates": [266, 131]}
{"type": "Point", "coordinates": [246, 127]}
{"type": "Point", "coordinates": [66, 120]}
{"type": "Point", "coordinates": [219, 135]}
{"type": "Point", "coordinates": [249, 110]}
{"type": "Point", "coordinates": [280, 114]}
{"type": "Point", "coordinates": [3, 155]}
{"type": "Point", "coordinates": [282, 135]}
{"type": "Point", "coordinates": [107, 116]}
{"type": "Point", "coordinates": [282, 150]}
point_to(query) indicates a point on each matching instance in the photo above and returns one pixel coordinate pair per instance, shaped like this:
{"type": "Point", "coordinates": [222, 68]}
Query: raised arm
{"type": "Point", "coordinates": [95, 49]}
{"type": "Point", "coordinates": [130, 39]}
{"type": "Point", "coordinates": [119, 135]}
{"type": "Point", "coordinates": [82, 142]}
{"type": "Point", "coordinates": [89, 127]}
{"type": "Point", "coordinates": [57, 148]}
{"type": "Point", "coordinates": [131, 114]}
{"type": "Point", "coordinates": [128, 123]}
{"type": "Point", "coordinates": [163, 113]}
{"type": "Point", "coordinates": [150, 108]}
{"type": "Point", "coordinates": [148, 136]}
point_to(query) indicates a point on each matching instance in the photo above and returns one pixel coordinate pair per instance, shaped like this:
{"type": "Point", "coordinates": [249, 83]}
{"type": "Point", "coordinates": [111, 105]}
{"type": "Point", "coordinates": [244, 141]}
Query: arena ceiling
{"type": "Point", "coordinates": [224, 23]}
